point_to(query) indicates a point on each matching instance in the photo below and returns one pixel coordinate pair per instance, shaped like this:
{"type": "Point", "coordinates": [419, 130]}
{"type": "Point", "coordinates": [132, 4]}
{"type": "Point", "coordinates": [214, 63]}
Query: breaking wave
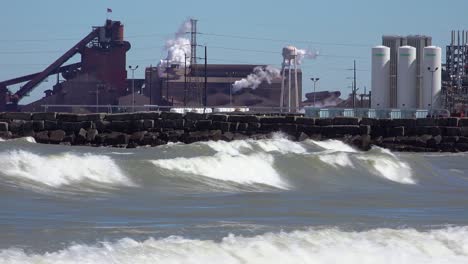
{"type": "Point", "coordinates": [59, 170]}
{"type": "Point", "coordinates": [276, 163]}
{"type": "Point", "coordinates": [243, 169]}
{"type": "Point", "coordinates": [448, 245]}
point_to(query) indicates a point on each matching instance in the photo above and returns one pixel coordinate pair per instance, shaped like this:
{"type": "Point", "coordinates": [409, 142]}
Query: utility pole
{"type": "Point", "coordinates": [205, 95]}
{"type": "Point", "coordinates": [185, 79]}
{"type": "Point", "coordinates": [315, 80]}
{"type": "Point", "coordinates": [133, 85]}
{"type": "Point", "coordinates": [354, 85]}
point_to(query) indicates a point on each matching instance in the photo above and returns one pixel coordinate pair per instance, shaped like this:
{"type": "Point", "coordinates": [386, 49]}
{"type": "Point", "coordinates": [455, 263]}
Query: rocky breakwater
{"type": "Point", "coordinates": [157, 128]}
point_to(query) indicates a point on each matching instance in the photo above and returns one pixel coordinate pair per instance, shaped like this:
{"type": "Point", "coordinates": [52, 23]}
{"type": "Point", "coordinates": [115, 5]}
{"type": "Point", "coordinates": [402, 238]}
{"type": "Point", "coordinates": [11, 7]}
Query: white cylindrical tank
{"type": "Point", "coordinates": [406, 74]}
{"type": "Point", "coordinates": [432, 77]}
{"type": "Point", "coordinates": [380, 97]}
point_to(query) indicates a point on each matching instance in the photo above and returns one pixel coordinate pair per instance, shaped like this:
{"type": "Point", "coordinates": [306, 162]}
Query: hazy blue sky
{"type": "Point", "coordinates": [35, 33]}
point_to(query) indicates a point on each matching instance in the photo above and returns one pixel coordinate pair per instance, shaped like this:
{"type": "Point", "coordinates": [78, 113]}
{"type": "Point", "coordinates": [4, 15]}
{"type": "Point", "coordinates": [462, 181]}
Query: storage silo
{"type": "Point", "coordinates": [380, 97]}
{"type": "Point", "coordinates": [432, 77]}
{"type": "Point", "coordinates": [406, 82]}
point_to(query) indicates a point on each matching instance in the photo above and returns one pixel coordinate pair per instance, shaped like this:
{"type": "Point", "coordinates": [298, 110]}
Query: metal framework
{"type": "Point", "coordinates": [455, 82]}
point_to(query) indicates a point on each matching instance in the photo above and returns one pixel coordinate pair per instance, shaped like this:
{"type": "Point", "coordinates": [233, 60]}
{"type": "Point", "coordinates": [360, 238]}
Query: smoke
{"type": "Point", "coordinates": [260, 74]}
{"type": "Point", "coordinates": [327, 102]}
{"type": "Point", "coordinates": [177, 48]}
{"type": "Point", "coordinates": [306, 54]}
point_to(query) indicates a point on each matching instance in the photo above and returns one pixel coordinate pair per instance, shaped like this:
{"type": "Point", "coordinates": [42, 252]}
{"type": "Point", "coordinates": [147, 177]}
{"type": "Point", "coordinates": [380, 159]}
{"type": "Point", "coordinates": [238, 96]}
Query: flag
{"type": "Point", "coordinates": [109, 10]}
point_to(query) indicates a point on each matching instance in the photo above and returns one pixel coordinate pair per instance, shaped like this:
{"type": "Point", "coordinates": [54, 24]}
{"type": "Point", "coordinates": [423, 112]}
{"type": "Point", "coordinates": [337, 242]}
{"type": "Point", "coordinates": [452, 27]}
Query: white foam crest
{"type": "Point", "coordinates": [59, 170]}
{"type": "Point", "coordinates": [313, 246]}
{"type": "Point", "coordinates": [242, 169]}
{"type": "Point", "coordinates": [276, 144]}
{"type": "Point", "coordinates": [233, 148]}
{"type": "Point", "coordinates": [337, 159]}
{"type": "Point", "coordinates": [280, 144]}
{"type": "Point", "coordinates": [389, 166]}
{"type": "Point", "coordinates": [334, 145]}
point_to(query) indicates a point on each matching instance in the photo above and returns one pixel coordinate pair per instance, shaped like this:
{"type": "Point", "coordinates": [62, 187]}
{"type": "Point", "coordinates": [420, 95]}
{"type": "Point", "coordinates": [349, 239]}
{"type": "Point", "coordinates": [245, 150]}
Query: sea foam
{"type": "Point", "coordinates": [388, 246]}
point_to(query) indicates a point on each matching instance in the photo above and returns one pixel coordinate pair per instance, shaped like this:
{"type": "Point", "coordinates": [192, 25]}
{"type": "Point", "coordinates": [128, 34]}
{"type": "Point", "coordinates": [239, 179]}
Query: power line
{"type": "Point", "coordinates": [286, 40]}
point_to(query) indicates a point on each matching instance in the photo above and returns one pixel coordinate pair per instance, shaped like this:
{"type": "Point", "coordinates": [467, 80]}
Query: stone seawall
{"type": "Point", "coordinates": [157, 128]}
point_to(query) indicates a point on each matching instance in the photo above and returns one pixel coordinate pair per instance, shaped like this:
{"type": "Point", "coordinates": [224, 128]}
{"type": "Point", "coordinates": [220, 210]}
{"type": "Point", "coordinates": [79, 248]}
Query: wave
{"type": "Point", "coordinates": [23, 139]}
{"type": "Point", "coordinates": [257, 162]}
{"type": "Point", "coordinates": [278, 144]}
{"type": "Point", "coordinates": [242, 169]}
{"type": "Point", "coordinates": [448, 245]}
{"type": "Point", "coordinates": [334, 145]}
{"type": "Point", "coordinates": [59, 170]}
{"type": "Point", "coordinates": [389, 166]}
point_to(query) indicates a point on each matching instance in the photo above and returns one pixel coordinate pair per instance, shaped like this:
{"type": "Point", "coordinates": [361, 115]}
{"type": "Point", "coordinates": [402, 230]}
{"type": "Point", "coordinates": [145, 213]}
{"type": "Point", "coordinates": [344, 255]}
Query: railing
{"type": "Point", "coordinates": [374, 113]}
{"type": "Point", "coordinates": [130, 108]}
{"type": "Point", "coordinates": [307, 111]}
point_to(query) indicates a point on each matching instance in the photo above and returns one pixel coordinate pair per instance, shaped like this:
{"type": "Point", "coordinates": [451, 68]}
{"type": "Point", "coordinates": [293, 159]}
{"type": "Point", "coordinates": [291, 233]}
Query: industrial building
{"type": "Point", "coordinates": [100, 74]}
{"type": "Point", "coordinates": [180, 86]}
{"type": "Point", "coordinates": [406, 73]}
{"type": "Point", "coordinates": [100, 78]}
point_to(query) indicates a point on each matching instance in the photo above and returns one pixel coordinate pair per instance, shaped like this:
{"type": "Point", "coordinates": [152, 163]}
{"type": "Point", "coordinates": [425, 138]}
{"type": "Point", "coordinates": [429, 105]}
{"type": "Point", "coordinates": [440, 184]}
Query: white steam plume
{"type": "Point", "coordinates": [306, 54]}
{"type": "Point", "coordinates": [177, 48]}
{"type": "Point", "coordinates": [260, 74]}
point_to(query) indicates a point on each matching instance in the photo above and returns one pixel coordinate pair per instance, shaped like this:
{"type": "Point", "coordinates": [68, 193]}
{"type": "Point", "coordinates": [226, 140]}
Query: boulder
{"type": "Point", "coordinates": [38, 125]}
{"type": "Point", "coordinates": [426, 122]}
{"type": "Point", "coordinates": [81, 136]}
{"type": "Point", "coordinates": [203, 124]}
{"type": "Point", "coordinates": [451, 131]}
{"type": "Point", "coordinates": [120, 117]}
{"type": "Point", "coordinates": [3, 126]}
{"type": "Point", "coordinates": [116, 138]}
{"type": "Point", "coordinates": [218, 118]}
{"type": "Point", "coordinates": [56, 136]}
{"type": "Point", "coordinates": [50, 125]}
{"type": "Point", "coordinates": [242, 126]}
{"type": "Point", "coordinates": [102, 125]}
{"type": "Point", "coordinates": [324, 121]}
{"type": "Point", "coordinates": [46, 116]}
{"type": "Point", "coordinates": [195, 116]}
{"type": "Point", "coordinates": [369, 121]}
{"type": "Point", "coordinates": [148, 123]}
{"type": "Point", "coordinates": [396, 131]}
{"type": "Point", "coordinates": [346, 121]}
{"type": "Point", "coordinates": [70, 117]}
{"type": "Point", "coordinates": [138, 137]}
{"type": "Point", "coordinates": [42, 137]}
{"type": "Point", "coordinates": [243, 118]}
{"type": "Point", "coordinates": [448, 122]}
{"type": "Point", "coordinates": [91, 134]}
{"type": "Point", "coordinates": [305, 121]}
{"type": "Point", "coordinates": [463, 122]}
{"type": "Point", "coordinates": [273, 120]}
{"type": "Point", "coordinates": [16, 126]}
{"type": "Point", "coordinates": [171, 115]}
{"type": "Point", "coordinates": [151, 115]}
{"type": "Point", "coordinates": [17, 116]}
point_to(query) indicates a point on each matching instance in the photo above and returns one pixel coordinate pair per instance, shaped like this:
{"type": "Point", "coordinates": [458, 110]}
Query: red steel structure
{"type": "Point", "coordinates": [103, 55]}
